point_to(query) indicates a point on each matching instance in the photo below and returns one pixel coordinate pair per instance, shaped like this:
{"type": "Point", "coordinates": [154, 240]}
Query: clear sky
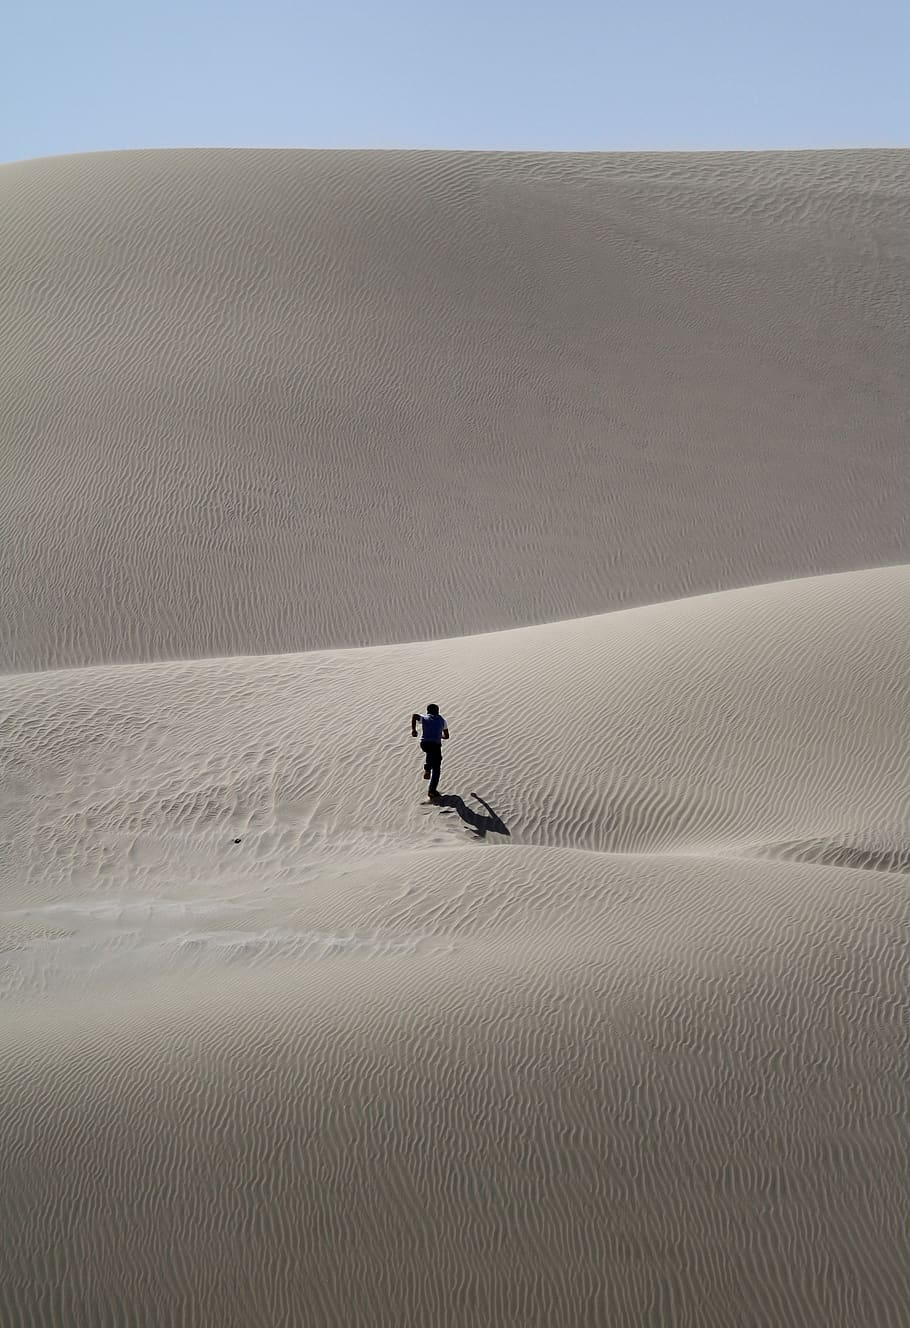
{"type": "Point", "coordinates": [82, 75]}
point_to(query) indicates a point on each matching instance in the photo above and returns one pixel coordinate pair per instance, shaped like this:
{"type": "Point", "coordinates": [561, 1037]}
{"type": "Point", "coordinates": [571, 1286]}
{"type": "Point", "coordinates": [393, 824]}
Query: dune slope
{"type": "Point", "coordinates": [261, 401]}
{"type": "Point", "coordinates": [615, 1034]}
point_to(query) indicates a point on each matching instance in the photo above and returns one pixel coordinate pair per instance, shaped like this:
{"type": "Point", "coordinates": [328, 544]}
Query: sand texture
{"type": "Point", "coordinates": [608, 456]}
{"type": "Point", "coordinates": [281, 401]}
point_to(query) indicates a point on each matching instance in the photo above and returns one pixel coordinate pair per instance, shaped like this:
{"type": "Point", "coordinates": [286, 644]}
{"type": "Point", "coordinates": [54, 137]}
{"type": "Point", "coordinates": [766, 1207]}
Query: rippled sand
{"type": "Point", "coordinates": [281, 401]}
{"type": "Point", "coordinates": [617, 1032]}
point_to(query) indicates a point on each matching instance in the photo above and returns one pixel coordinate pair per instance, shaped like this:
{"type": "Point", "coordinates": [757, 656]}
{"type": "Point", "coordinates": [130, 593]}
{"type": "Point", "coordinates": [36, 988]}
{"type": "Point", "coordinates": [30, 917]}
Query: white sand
{"type": "Point", "coordinates": [617, 1033]}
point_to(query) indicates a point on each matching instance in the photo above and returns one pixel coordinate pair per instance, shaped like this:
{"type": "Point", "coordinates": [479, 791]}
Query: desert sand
{"type": "Point", "coordinates": [605, 454]}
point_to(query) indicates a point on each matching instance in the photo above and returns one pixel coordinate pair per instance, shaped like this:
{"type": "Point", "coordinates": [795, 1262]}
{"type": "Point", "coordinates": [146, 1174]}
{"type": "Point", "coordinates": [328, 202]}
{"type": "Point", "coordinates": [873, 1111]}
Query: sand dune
{"type": "Point", "coordinates": [730, 723]}
{"type": "Point", "coordinates": [563, 1049]}
{"type": "Point", "coordinates": [616, 1032]}
{"type": "Point", "coordinates": [278, 401]}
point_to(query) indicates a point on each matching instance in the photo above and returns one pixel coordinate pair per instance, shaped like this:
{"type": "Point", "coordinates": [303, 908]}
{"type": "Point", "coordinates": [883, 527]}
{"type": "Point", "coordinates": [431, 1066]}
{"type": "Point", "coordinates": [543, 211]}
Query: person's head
{"type": "Point", "coordinates": [432, 709]}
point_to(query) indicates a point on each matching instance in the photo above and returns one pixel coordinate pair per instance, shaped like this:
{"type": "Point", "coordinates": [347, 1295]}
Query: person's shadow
{"type": "Point", "coordinates": [482, 825]}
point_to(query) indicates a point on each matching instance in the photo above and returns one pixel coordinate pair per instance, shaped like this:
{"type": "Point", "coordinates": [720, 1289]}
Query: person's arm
{"type": "Point", "coordinates": [445, 733]}
{"type": "Point", "coordinates": [414, 719]}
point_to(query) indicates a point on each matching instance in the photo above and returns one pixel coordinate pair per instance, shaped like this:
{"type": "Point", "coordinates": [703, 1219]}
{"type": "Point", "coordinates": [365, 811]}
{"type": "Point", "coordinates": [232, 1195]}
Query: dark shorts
{"type": "Point", "coordinates": [433, 753]}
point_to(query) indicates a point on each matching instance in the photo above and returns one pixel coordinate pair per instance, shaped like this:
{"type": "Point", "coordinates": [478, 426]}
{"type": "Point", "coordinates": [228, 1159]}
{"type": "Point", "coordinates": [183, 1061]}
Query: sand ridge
{"type": "Point", "coordinates": [730, 723]}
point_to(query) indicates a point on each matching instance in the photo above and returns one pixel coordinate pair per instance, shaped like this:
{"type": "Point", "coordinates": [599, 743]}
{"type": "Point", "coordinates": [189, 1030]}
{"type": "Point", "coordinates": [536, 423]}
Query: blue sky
{"type": "Point", "coordinates": [658, 74]}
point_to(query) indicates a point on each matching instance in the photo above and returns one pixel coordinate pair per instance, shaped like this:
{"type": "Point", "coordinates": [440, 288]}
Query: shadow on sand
{"type": "Point", "coordinates": [482, 823]}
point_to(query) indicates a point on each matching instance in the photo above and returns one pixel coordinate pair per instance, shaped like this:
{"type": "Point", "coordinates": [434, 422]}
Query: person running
{"type": "Point", "coordinates": [434, 732]}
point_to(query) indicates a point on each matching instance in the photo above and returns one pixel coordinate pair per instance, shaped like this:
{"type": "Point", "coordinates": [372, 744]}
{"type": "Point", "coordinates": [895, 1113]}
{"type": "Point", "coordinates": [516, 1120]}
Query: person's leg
{"type": "Point", "coordinates": [425, 748]}
{"type": "Point", "coordinates": [434, 757]}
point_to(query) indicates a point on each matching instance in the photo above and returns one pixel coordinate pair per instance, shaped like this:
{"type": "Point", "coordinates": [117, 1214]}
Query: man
{"type": "Point", "coordinates": [434, 732]}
